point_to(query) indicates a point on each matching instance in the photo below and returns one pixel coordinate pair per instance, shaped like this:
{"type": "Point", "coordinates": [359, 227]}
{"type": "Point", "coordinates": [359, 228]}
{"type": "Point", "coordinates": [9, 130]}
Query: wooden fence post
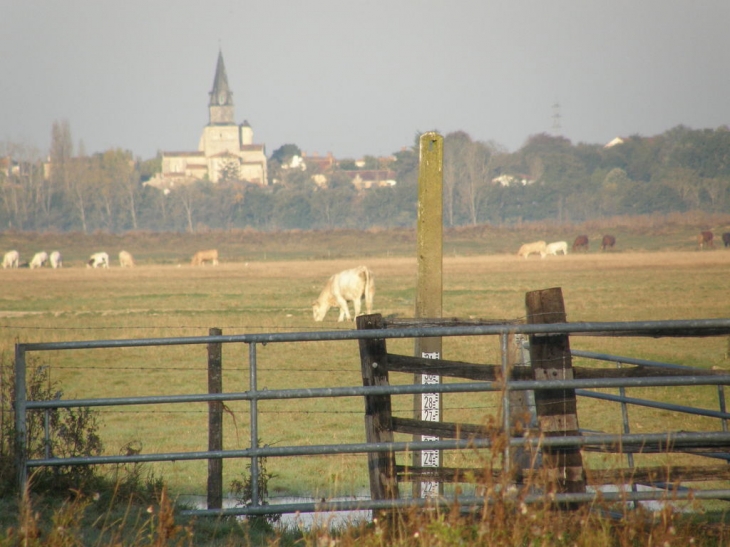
{"type": "Point", "coordinates": [215, 422]}
{"type": "Point", "coordinates": [378, 412]}
{"type": "Point", "coordinates": [557, 411]}
{"type": "Point", "coordinates": [521, 414]}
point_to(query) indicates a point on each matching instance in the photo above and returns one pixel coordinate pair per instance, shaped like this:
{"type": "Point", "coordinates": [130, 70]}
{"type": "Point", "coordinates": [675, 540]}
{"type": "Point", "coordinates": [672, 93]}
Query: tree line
{"type": "Point", "coordinates": [549, 178]}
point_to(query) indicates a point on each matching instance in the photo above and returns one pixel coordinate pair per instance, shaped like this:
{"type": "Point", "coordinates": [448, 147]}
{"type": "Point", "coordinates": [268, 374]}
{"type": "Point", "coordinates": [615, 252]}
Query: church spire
{"type": "Point", "coordinates": [220, 105]}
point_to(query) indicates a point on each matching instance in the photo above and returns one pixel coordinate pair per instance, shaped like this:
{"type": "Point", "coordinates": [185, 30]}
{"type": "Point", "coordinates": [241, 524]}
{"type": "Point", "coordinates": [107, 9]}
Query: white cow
{"type": "Point", "coordinates": [39, 259]}
{"type": "Point", "coordinates": [11, 259]}
{"type": "Point", "coordinates": [126, 260]}
{"type": "Point", "coordinates": [98, 260]}
{"type": "Point", "coordinates": [346, 285]}
{"type": "Point", "coordinates": [557, 247]}
{"type": "Point", "coordinates": [55, 260]}
{"type": "Point", "coordinates": [536, 247]}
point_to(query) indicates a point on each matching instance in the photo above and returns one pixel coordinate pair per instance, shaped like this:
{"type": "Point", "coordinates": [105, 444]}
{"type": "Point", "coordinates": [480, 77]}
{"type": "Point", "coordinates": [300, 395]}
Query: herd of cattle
{"type": "Point", "coordinates": [11, 259]}
{"type": "Point", "coordinates": [581, 244]}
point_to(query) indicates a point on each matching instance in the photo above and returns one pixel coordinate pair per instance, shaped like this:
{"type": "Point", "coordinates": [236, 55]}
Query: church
{"type": "Point", "coordinates": [226, 150]}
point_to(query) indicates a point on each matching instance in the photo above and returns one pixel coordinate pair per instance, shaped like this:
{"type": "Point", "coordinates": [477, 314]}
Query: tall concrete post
{"type": "Point", "coordinates": [427, 406]}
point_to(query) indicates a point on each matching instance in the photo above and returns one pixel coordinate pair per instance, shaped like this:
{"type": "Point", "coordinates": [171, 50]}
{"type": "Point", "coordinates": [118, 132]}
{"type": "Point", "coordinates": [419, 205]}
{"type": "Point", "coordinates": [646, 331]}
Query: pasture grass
{"type": "Point", "coordinates": [272, 291]}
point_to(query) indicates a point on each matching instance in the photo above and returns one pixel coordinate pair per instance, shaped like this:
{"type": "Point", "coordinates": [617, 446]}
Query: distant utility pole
{"type": "Point", "coordinates": [557, 128]}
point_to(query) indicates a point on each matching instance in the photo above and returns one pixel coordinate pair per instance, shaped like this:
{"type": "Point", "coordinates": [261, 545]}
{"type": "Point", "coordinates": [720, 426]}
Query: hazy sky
{"type": "Point", "coordinates": [361, 77]}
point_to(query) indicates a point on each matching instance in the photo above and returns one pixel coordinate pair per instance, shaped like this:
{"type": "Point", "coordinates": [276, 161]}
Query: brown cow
{"type": "Point", "coordinates": [201, 257]}
{"type": "Point", "coordinates": [581, 243]}
{"type": "Point", "coordinates": [705, 238]}
{"type": "Point", "coordinates": [608, 242]}
{"type": "Point", "coordinates": [726, 239]}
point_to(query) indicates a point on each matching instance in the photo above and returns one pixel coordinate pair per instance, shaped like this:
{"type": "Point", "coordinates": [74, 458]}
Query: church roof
{"type": "Point", "coordinates": [220, 84]}
{"type": "Point", "coordinates": [179, 154]}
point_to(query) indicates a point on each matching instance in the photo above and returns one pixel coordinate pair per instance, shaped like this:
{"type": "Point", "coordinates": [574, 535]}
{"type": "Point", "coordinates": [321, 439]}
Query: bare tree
{"type": "Point", "coordinates": [472, 190]}
{"type": "Point", "coordinates": [455, 145]}
{"type": "Point", "coordinates": [24, 192]}
{"type": "Point", "coordinates": [61, 153]}
{"type": "Point", "coordinates": [686, 182]}
{"type": "Point", "coordinates": [188, 196]}
{"type": "Point", "coordinates": [717, 190]}
{"type": "Point", "coordinates": [80, 185]}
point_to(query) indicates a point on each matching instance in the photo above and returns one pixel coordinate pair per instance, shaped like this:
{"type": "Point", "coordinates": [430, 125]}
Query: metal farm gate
{"type": "Point", "coordinates": [536, 360]}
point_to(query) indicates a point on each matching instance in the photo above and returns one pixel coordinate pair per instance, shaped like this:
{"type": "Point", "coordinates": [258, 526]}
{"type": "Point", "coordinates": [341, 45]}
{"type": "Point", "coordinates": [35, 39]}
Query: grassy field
{"type": "Point", "coordinates": [272, 291]}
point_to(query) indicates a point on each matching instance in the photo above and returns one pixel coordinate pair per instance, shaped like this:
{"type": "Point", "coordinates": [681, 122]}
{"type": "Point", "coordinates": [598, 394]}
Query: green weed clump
{"type": "Point", "coordinates": [73, 432]}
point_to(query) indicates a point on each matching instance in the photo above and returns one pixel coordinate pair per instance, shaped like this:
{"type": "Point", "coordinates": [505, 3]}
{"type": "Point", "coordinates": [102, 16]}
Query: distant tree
{"type": "Point", "coordinates": [297, 177]}
{"type": "Point", "coordinates": [456, 146]}
{"type": "Point", "coordinates": [348, 164]}
{"type": "Point", "coordinates": [189, 197]}
{"type": "Point", "coordinates": [231, 171]}
{"type": "Point", "coordinates": [474, 189]}
{"type": "Point", "coordinates": [80, 184]}
{"type": "Point", "coordinates": [285, 153]}
{"type": "Point", "coordinates": [115, 188]}
{"type": "Point", "coordinates": [406, 165]}
{"type": "Point", "coordinates": [717, 191]}
{"type": "Point", "coordinates": [227, 200]}
{"type": "Point", "coordinates": [122, 171]}
{"type": "Point", "coordinates": [645, 198]}
{"type": "Point", "coordinates": [257, 209]}
{"type": "Point", "coordinates": [292, 208]}
{"type": "Point", "coordinates": [61, 152]}
{"type": "Point", "coordinates": [25, 195]}
{"type": "Point", "coordinates": [686, 184]}
{"type": "Point", "coordinates": [331, 207]}
{"type": "Point", "coordinates": [149, 168]}
{"type": "Point", "coordinates": [371, 162]}
{"type": "Point", "coordinates": [614, 185]}
{"type": "Point", "coordinates": [280, 161]}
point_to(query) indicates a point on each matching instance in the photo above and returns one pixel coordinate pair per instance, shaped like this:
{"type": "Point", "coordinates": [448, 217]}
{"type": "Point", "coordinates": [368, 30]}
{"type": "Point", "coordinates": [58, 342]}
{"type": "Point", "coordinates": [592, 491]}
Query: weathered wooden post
{"type": "Point", "coordinates": [21, 424]}
{"type": "Point", "coordinates": [557, 411]}
{"type": "Point", "coordinates": [378, 411]}
{"type": "Point", "coordinates": [520, 415]}
{"type": "Point", "coordinates": [427, 406]}
{"type": "Point", "coordinates": [215, 422]}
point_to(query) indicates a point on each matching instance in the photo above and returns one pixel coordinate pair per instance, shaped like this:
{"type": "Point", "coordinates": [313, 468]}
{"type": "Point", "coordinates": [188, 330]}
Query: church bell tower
{"type": "Point", "coordinates": [220, 106]}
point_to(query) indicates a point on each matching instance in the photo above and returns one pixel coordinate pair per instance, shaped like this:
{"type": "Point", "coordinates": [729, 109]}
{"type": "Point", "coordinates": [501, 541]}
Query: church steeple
{"type": "Point", "coordinates": [220, 106]}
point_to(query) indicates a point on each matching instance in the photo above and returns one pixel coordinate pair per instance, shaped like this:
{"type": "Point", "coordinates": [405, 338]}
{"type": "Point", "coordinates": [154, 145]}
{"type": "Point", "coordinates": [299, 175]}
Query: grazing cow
{"type": "Point", "coordinates": [608, 242]}
{"type": "Point", "coordinates": [536, 247]}
{"type": "Point", "coordinates": [98, 260]}
{"type": "Point", "coordinates": [705, 238]}
{"type": "Point", "coordinates": [11, 259]}
{"type": "Point", "coordinates": [39, 259]}
{"type": "Point", "coordinates": [557, 247]}
{"type": "Point", "coordinates": [199, 258]}
{"type": "Point", "coordinates": [346, 285]}
{"type": "Point", "coordinates": [580, 243]}
{"type": "Point", "coordinates": [726, 239]}
{"type": "Point", "coordinates": [126, 260]}
{"type": "Point", "coordinates": [56, 260]}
